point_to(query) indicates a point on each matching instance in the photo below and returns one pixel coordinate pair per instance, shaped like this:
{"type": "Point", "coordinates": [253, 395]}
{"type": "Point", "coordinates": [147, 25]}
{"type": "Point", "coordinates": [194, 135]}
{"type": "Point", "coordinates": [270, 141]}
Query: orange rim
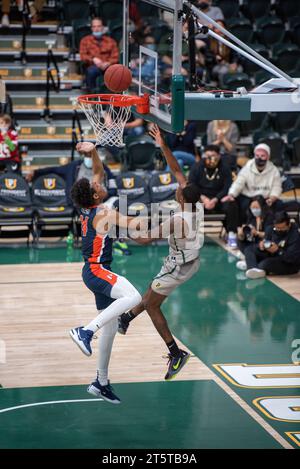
{"type": "Point", "coordinates": [118, 100]}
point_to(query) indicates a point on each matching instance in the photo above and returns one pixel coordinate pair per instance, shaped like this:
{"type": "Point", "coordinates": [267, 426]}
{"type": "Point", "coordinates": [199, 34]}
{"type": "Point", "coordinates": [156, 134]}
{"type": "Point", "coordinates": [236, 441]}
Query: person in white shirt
{"type": "Point", "coordinates": [258, 177]}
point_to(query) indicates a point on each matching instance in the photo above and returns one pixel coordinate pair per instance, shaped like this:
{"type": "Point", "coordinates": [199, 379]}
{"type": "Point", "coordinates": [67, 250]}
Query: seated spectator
{"type": "Point", "coordinates": [258, 177]}
{"type": "Point", "coordinates": [97, 51]}
{"type": "Point", "coordinates": [9, 154]}
{"type": "Point", "coordinates": [182, 144]}
{"type": "Point", "coordinates": [215, 13]}
{"type": "Point", "coordinates": [278, 253]}
{"type": "Point", "coordinates": [224, 60]}
{"type": "Point", "coordinates": [259, 218]}
{"type": "Point", "coordinates": [134, 127]}
{"type": "Point", "coordinates": [81, 168]}
{"type": "Point", "coordinates": [35, 10]}
{"type": "Point", "coordinates": [225, 134]}
{"type": "Point", "coordinates": [213, 177]}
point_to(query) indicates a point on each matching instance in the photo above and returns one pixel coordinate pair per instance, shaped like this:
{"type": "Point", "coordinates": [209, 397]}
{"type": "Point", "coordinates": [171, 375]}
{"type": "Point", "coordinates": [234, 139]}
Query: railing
{"type": "Point", "coordinates": [76, 125]}
{"type": "Point", "coordinates": [51, 82]}
{"type": "Point", "coordinates": [26, 25]}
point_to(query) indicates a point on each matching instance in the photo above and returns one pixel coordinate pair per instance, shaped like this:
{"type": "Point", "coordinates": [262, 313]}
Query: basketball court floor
{"type": "Point", "coordinates": [240, 389]}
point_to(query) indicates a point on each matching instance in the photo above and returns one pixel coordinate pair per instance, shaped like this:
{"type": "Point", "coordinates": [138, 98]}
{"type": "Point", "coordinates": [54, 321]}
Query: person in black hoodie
{"type": "Point", "coordinates": [278, 253]}
{"type": "Point", "coordinates": [213, 177]}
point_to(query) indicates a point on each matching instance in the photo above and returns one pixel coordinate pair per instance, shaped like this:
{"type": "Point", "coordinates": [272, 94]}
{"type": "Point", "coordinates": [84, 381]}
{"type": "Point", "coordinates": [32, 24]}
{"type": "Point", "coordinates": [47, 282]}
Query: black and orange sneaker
{"type": "Point", "coordinates": [175, 364]}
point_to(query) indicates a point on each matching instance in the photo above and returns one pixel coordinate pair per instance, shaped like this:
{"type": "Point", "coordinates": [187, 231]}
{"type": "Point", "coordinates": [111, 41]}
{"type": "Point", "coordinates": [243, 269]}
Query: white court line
{"type": "Point", "coordinates": [9, 409]}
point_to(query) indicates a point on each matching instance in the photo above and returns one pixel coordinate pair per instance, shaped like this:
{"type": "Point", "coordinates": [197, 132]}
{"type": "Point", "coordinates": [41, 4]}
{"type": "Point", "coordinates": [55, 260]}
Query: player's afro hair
{"type": "Point", "coordinates": [191, 193]}
{"type": "Point", "coordinates": [82, 193]}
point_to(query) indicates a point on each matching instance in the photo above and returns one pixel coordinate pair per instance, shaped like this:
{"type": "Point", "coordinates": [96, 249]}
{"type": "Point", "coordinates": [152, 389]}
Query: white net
{"type": "Point", "coordinates": [108, 120]}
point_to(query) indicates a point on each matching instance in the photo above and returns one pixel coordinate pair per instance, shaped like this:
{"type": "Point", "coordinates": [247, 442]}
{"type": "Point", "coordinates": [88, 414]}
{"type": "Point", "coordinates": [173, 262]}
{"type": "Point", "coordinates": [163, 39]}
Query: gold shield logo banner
{"type": "Point", "coordinates": [128, 183]}
{"type": "Point", "coordinates": [165, 178]}
{"type": "Point", "coordinates": [10, 183]}
{"type": "Point", "coordinates": [50, 183]}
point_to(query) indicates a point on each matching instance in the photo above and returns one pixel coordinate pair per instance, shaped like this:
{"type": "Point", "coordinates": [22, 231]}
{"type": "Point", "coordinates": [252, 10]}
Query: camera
{"type": "Point", "coordinates": [267, 244]}
{"type": "Point", "coordinates": [247, 230]}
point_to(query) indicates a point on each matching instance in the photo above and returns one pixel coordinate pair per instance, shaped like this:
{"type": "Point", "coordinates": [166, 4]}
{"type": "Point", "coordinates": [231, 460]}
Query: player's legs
{"type": "Point", "coordinates": [126, 297]}
{"type": "Point", "coordinates": [101, 281]}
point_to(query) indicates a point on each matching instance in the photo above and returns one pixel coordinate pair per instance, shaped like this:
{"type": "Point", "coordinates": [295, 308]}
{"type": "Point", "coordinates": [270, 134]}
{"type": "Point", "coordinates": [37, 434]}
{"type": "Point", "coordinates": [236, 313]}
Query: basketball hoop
{"type": "Point", "coordinates": [108, 114]}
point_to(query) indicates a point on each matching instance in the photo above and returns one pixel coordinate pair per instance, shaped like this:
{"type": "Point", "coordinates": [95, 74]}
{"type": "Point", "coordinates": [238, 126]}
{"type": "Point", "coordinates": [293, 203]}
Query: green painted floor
{"type": "Point", "coordinates": [221, 316]}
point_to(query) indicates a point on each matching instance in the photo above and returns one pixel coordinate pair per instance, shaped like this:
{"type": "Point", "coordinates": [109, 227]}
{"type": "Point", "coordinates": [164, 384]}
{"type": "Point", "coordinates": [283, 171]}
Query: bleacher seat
{"type": "Point", "coordinates": [230, 8]}
{"type": "Point", "coordinates": [270, 30]}
{"type": "Point", "coordinates": [294, 26]}
{"type": "Point", "coordinates": [135, 188]}
{"type": "Point", "coordinates": [255, 9]}
{"type": "Point", "coordinates": [75, 10]}
{"type": "Point", "coordinates": [250, 67]}
{"type": "Point", "coordinates": [287, 8]}
{"type": "Point", "coordinates": [80, 29]}
{"type": "Point", "coordinates": [110, 9]}
{"type": "Point", "coordinates": [162, 186]}
{"type": "Point", "coordinates": [261, 77]}
{"type": "Point", "coordinates": [15, 206]}
{"type": "Point", "coordinates": [52, 214]}
{"type": "Point", "coordinates": [293, 139]}
{"type": "Point", "coordinates": [259, 121]}
{"type": "Point", "coordinates": [286, 57]}
{"type": "Point", "coordinates": [284, 122]}
{"type": "Point", "coordinates": [140, 153]}
{"type": "Point", "coordinates": [232, 81]}
{"type": "Point", "coordinates": [241, 28]}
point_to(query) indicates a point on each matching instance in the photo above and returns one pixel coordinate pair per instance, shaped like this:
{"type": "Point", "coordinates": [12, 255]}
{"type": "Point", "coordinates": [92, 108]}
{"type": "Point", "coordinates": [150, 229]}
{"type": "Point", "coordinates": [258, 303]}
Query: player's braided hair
{"type": "Point", "coordinates": [191, 193]}
{"type": "Point", "coordinates": [82, 193]}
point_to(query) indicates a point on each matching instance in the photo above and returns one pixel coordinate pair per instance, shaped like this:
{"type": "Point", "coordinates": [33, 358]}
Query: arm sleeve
{"type": "Point", "coordinates": [114, 56]}
{"type": "Point", "coordinates": [276, 189]}
{"type": "Point", "coordinates": [85, 55]}
{"type": "Point", "coordinates": [227, 183]}
{"type": "Point", "coordinates": [239, 184]}
{"type": "Point", "coordinates": [291, 252]}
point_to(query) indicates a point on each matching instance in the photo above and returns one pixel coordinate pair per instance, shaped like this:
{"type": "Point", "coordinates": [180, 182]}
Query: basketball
{"type": "Point", "coordinates": [117, 78]}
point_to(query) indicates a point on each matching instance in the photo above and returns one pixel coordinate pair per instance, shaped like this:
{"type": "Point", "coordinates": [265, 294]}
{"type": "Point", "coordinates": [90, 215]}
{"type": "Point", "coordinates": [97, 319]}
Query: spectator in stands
{"type": "Point", "coordinates": [9, 153]}
{"type": "Point", "coordinates": [213, 177]}
{"type": "Point", "coordinates": [278, 253]}
{"type": "Point", "coordinates": [215, 13]}
{"type": "Point", "coordinates": [224, 60]}
{"type": "Point", "coordinates": [258, 177]}
{"type": "Point", "coordinates": [225, 134]}
{"type": "Point", "coordinates": [134, 127]}
{"type": "Point", "coordinates": [81, 168]}
{"type": "Point", "coordinates": [182, 144]}
{"type": "Point", "coordinates": [97, 51]}
{"type": "Point", "coordinates": [259, 218]}
{"type": "Point", "coordinates": [35, 10]}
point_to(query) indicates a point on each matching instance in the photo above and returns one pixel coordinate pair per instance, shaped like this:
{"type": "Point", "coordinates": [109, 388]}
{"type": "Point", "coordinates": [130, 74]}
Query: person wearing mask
{"type": "Point", "coordinates": [259, 218]}
{"type": "Point", "coordinates": [77, 169]}
{"type": "Point", "coordinates": [97, 51]}
{"type": "Point", "coordinates": [9, 153]}
{"type": "Point", "coordinates": [258, 177]}
{"type": "Point", "coordinates": [213, 177]}
{"type": "Point", "coordinates": [278, 253]}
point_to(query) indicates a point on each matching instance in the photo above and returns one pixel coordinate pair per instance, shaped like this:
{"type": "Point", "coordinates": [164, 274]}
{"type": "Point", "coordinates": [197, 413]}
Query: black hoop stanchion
{"type": "Point", "coordinates": [50, 82]}
{"type": "Point", "coordinates": [76, 124]}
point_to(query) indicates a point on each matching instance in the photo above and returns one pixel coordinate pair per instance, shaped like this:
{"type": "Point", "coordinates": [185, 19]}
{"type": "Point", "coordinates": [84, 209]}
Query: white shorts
{"type": "Point", "coordinates": [172, 275]}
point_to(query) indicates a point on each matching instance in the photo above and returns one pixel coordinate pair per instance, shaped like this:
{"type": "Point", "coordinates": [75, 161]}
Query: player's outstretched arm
{"type": "Point", "coordinates": [88, 148]}
{"type": "Point", "coordinates": [156, 134]}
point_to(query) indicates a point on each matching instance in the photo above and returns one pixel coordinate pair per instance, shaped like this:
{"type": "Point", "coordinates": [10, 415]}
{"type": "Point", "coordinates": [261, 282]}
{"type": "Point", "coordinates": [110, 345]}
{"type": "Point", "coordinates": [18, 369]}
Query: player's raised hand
{"type": "Point", "coordinates": [85, 147]}
{"type": "Point", "coordinates": [155, 133]}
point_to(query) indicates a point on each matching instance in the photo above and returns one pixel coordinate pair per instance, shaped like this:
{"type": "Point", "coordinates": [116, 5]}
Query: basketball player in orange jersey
{"type": "Point", "coordinates": [114, 294]}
